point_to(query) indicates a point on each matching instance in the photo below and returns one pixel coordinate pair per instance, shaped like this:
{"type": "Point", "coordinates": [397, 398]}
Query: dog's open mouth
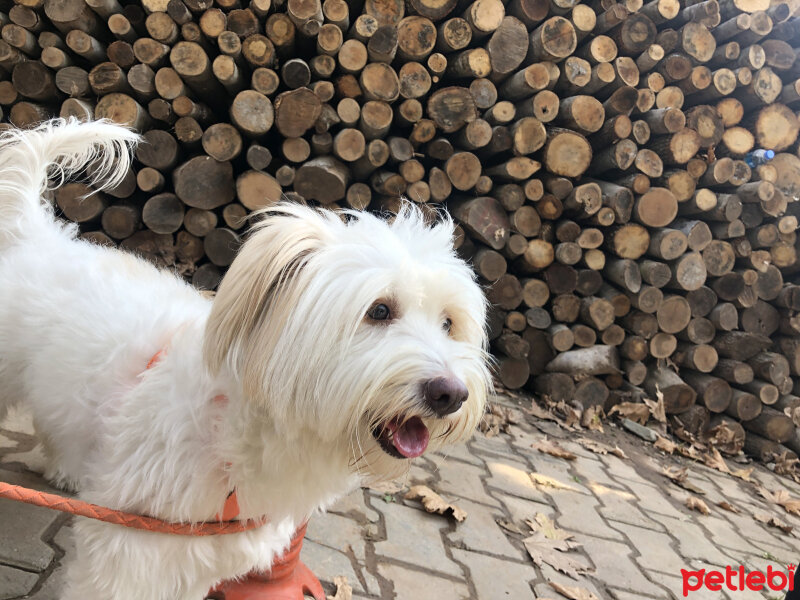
{"type": "Point", "coordinates": [403, 439]}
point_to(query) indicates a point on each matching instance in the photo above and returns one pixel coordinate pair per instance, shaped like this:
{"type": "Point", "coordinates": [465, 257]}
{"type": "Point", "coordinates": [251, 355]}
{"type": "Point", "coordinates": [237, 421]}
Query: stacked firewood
{"type": "Point", "coordinates": [598, 158]}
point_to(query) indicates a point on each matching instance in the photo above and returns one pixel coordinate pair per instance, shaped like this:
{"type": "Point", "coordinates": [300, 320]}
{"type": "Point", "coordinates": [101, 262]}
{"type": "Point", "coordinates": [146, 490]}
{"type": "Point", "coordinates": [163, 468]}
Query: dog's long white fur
{"type": "Point", "coordinates": [272, 390]}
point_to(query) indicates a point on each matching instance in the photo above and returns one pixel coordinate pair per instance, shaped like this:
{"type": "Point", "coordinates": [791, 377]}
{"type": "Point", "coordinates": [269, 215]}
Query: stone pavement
{"type": "Point", "coordinates": [634, 529]}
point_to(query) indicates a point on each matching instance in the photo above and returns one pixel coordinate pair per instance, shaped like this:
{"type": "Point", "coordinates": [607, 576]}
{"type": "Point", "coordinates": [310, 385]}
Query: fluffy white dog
{"type": "Point", "coordinates": [337, 348]}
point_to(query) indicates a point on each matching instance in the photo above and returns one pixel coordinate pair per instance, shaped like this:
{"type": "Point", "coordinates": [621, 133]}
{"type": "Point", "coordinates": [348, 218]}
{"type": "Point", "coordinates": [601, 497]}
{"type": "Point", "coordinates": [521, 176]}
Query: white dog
{"type": "Point", "coordinates": [337, 348]}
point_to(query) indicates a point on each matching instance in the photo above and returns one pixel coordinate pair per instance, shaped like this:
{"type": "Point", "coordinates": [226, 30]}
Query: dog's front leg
{"type": "Point", "coordinates": [115, 563]}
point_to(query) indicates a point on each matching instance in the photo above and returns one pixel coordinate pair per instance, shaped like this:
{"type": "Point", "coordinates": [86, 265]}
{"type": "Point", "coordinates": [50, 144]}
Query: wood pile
{"type": "Point", "coordinates": [593, 155]}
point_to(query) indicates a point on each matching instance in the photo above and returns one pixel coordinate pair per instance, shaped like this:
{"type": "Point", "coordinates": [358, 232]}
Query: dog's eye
{"type": "Point", "coordinates": [379, 312]}
{"type": "Point", "coordinates": [448, 325]}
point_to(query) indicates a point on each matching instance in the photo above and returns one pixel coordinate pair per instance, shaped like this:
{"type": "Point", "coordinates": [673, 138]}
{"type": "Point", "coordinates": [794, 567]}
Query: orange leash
{"type": "Point", "coordinates": [118, 517]}
{"type": "Point", "coordinates": [226, 522]}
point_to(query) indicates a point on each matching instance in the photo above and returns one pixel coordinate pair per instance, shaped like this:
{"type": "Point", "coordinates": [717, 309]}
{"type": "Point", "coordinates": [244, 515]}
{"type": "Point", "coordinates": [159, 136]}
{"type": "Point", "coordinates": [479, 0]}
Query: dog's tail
{"type": "Point", "coordinates": [55, 150]}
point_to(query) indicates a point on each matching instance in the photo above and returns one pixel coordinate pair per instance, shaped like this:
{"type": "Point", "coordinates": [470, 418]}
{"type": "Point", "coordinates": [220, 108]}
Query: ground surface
{"type": "Point", "coordinates": [635, 531]}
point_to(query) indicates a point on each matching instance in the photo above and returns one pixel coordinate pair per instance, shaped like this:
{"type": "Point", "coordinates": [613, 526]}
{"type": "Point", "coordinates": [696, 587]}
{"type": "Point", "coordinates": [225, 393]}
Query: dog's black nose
{"type": "Point", "coordinates": [444, 395]}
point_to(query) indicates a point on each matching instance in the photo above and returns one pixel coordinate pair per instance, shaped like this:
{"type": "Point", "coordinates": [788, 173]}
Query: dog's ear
{"type": "Point", "coordinates": [261, 286]}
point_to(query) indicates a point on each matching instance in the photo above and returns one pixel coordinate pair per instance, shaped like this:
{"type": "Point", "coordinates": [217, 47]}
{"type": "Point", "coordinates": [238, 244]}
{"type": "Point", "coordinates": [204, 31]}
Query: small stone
{"type": "Point", "coordinates": [643, 432]}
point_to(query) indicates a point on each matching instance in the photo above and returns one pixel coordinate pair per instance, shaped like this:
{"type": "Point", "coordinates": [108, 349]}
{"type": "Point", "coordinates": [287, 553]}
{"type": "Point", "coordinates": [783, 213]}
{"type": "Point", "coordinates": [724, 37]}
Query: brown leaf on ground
{"type": "Point", "coordinates": [690, 451]}
{"type": "Point", "coordinates": [573, 593]}
{"type": "Point", "coordinates": [434, 503]}
{"type": "Point", "coordinates": [599, 448]}
{"type": "Point", "coordinates": [344, 590]}
{"type": "Point", "coordinates": [714, 460]}
{"type": "Point", "coordinates": [656, 407]}
{"type": "Point", "coordinates": [511, 526]}
{"type": "Point", "coordinates": [633, 411]}
{"type": "Point", "coordinates": [773, 522]}
{"type": "Point", "coordinates": [571, 415]}
{"type": "Point", "coordinates": [665, 445]}
{"type": "Point", "coordinates": [553, 449]}
{"type": "Point", "coordinates": [782, 499]}
{"type": "Point", "coordinates": [724, 505]}
{"type": "Point", "coordinates": [554, 553]}
{"type": "Point", "coordinates": [387, 487]}
{"type": "Point", "coordinates": [541, 413]}
{"type": "Point", "coordinates": [786, 464]}
{"type": "Point", "coordinates": [743, 474]}
{"type": "Point", "coordinates": [694, 503]}
{"type": "Point", "coordinates": [592, 418]}
{"type": "Point", "coordinates": [546, 481]}
{"type": "Point", "coordinates": [548, 544]}
{"type": "Point", "coordinates": [680, 476]}
{"type": "Point", "coordinates": [497, 418]}
{"type": "Point", "coordinates": [541, 522]}
{"type": "Point", "coordinates": [722, 436]}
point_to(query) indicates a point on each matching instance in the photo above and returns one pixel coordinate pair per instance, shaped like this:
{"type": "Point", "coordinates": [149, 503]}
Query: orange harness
{"type": "Point", "coordinates": [225, 522]}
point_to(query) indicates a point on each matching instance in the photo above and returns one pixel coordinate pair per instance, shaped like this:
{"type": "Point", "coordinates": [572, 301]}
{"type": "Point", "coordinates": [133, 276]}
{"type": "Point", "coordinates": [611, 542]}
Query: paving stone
{"type": "Point", "coordinates": [693, 540]}
{"type": "Point", "coordinates": [514, 478]}
{"type": "Point", "coordinates": [519, 509]}
{"type": "Point", "coordinates": [733, 489]}
{"type": "Point", "coordinates": [593, 471]}
{"type": "Point", "coordinates": [619, 468]}
{"type": "Point", "coordinates": [327, 563]}
{"type": "Point", "coordinates": [543, 590]}
{"type": "Point", "coordinates": [414, 585]}
{"type": "Point", "coordinates": [557, 469]}
{"type": "Point", "coordinates": [490, 446]}
{"type": "Point", "coordinates": [675, 587]}
{"type": "Point", "coordinates": [480, 532]}
{"type": "Point", "coordinates": [337, 532]}
{"type": "Point", "coordinates": [758, 533]}
{"type": "Point", "coordinates": [464, 481]}
{"type": "Point", "coordinates": [496, 579]}
{"type": "Point", "coordinates": [726, 535]}
{"type": "Point", "coordinates": [414, 536]}
{"type": "Point", "coordinates": [14, 582]}
{"type": "Point", "coordinates": [24, 525]}
{"type": "Point", "coordinates": [53, 585]}
{"type": "Point", "coordinates": [651, 499]}
{"type": "Point", "coordinates": [613, 564]}
{"type": "Point", "coordinates": [619, 505]}
{"type": "Point", "coordinates": [459, 452]}
{"type": "Point", "coordinates": [355, 505]}
{"type": "Point", "coordinates": [656, 551]}
{"type": "Point", "coordinates": [579, 514]}
{"type": "Point", "coordinates": [625, 595]}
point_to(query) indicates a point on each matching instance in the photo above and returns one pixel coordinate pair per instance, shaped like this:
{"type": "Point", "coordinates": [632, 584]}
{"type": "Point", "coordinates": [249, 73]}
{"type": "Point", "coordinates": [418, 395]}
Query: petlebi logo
{"type": "Point", "coordinates": [736, 579]}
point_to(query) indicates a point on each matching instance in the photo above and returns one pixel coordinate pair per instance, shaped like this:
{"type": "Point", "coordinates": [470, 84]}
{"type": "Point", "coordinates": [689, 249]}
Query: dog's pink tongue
{"type": "Point", "coordinates": [410, 438]}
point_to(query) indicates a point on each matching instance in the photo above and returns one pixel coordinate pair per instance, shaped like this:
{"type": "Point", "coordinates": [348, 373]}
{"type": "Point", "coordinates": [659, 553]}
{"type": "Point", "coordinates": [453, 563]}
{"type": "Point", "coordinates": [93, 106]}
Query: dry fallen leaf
{"type": "Point", "coordinates": [665, 445]}
{"type": "Point", "coordinates": [434, 503]}
{"type": "Point", "coordinates": [714, 460]}
{"type": "Point", "coordinates": [690, 451]}
{"type": "Point", "coordinates": [727, 506]}
{"type": "Point", "coordinates": [786, 464]}
{"type": "Point", "coordinates": [743, 474]}
{"type": "Point", "coordinates": [546, 481]}
{"type": "Point", "coordinates": [387, 487]}
{"type": "Point", "coordinates": [572, 416]}
{"type": "Point", "coordinates": [497, 418]}
{"type": "Point", "coordinates": [599, 448]}
{"type": "Point", "coordinates": [573, 593]}
{"type": "Point", "coordinates": [781, 498]}
{"type": "Point", "coordinates": [773, 522]}
{"type": "Point", "coordinates": [344, 590]}
{"type": "Point", "coordinates": [511, 526]}
{"type": "Point", "coordinates": [553, 449]}
{"type": "Point", "coordinates": [633, 411]}
{"type": "Point", "coordinates": [694, 503]}
{"type": "Point", "coordinates": [656, 407]}
{"type": "Point", "coordinates": [541, 522]}
{"type": "Point", "coordinates": [549, 544]}
{"type": "Point", "coordinates": [724, 438]}
{"type": "Point", "coordinates": [540, 413]}
{"type": "Point", "coordinates": [592, 418]}
{"type": "Point", "coordinates": [680, 476]}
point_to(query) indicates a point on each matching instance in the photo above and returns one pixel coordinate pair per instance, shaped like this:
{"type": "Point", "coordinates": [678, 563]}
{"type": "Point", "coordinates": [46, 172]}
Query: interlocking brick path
{"type": "Point", "coordinates": [635, 531]}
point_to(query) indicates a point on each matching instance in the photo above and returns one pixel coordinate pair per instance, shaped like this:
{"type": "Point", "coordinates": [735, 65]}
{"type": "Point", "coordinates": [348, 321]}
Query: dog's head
{"type": "Point", "coordinates": [369, 333]}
